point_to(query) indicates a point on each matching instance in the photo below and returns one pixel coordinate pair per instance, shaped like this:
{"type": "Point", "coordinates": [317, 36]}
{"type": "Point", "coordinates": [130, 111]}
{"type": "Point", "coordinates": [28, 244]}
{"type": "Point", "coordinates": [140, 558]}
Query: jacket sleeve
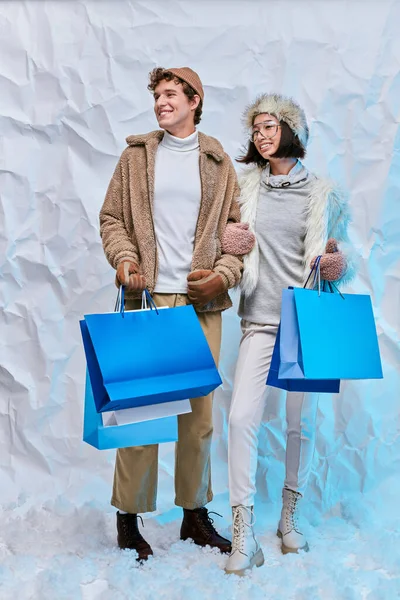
{"type": "Point", "coordinates": [118, 244]}
{"type": "Point", "coordinates": [339, 221]}
{"type": "Point", "coordinates": [230, 267]}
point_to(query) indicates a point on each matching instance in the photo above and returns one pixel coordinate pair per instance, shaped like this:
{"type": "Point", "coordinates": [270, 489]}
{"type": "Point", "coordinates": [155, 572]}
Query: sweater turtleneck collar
{"type": "Point", "coordinates": [297, 176]}
{"type": "Point", "coordinates": [191, 142]}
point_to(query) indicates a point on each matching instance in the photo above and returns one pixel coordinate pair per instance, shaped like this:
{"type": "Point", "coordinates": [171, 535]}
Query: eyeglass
{"type": "Point", "coordinates": [268, 130]}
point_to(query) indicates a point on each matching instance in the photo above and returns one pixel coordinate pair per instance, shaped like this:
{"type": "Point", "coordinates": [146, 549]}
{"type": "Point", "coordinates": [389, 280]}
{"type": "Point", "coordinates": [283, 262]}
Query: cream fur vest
{"type": "Point", "coordinates": [327, 217]}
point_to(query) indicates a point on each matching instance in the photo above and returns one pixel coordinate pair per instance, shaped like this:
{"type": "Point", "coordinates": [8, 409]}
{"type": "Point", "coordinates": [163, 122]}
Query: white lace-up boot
{"type": "Point", "coordinates": [246, 551]}
{"type": "Point", "coordinates": [289, 529]}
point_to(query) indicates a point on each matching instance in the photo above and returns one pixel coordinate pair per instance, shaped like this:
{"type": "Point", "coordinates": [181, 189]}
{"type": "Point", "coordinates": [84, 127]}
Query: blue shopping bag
{"type": "Point", "coordinates": [324, 337]}
{"type": "Point", "coordinates": [327, 335]}
{"type": "Point", "coordinates": [336, 333]}
{"type": "Point", "coordinates": [103, 437]}
{"type": "Point", "coordinates": [296, 385]}
{"type": "Point", "coordinates": [136, 358]}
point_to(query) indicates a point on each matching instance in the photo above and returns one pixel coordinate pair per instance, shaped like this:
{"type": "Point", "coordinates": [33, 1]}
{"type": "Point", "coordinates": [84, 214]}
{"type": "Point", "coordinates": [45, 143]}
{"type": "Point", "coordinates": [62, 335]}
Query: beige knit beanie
{"type": "Point", "coordinates": [190, 77]}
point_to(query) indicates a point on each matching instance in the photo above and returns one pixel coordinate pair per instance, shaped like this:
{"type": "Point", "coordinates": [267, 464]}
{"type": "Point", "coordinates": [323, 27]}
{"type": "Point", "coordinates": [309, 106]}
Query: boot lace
{"type": "Point", "coordinates": [132, 533]}
{"type": "Point", "coordinates": [239, 525]}
{"type": "Point", "coordinates": [292, 516]}
{"type": "Point", "coordinates": [206, 523]}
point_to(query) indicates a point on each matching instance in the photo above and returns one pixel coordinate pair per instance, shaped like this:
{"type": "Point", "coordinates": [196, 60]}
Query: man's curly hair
{"type": "Point", "coordinates": [159, 74]}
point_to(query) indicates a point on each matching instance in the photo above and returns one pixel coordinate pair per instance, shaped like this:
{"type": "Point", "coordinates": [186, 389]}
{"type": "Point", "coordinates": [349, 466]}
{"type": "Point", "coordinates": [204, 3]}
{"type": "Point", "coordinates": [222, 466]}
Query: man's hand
{"type": "Point", "coordinates": [237, 239]}
{"type": "Point", "coordinates": [204, 285]}
{"type": "Point", "coordinates": [333, 262]}
{"type": "Point", "coordinates": [128, 274]}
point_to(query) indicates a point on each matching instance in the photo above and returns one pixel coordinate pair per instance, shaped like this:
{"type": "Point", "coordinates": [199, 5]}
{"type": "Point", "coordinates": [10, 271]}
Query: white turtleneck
{"type": "Point", "coordinates": [177, 196]}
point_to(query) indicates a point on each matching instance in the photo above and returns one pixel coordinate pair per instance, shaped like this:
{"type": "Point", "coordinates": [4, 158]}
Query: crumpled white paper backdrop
{"type": "Point", "coordinates": [73, 79]}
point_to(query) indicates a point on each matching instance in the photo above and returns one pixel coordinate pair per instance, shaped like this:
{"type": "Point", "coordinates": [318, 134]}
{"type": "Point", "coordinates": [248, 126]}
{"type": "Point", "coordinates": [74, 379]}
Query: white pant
{"type": "Point", "coordinates": [247, 407]}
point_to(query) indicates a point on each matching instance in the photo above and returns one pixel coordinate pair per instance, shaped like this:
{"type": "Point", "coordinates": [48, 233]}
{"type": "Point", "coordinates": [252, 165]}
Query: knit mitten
{"type": "Point", "coordinates": [333, 262]}
{"type": "Point", "coordinates": [237, 239]}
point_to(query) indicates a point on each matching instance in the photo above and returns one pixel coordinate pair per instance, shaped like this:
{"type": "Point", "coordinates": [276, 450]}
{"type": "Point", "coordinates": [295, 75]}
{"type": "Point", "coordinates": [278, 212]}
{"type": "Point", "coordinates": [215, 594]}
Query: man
{"type": "Point", "coordinates": [168, 203]}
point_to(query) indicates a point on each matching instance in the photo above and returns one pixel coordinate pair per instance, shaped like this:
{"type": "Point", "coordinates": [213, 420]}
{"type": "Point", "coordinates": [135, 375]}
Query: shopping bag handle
{"type": "Point", "coordinates": [150, 300]}
{"type": "Point", "coordinates": [120, 302]}
{"type": "Point", "coordinates": [316, 269]}
{"type": "Point", "coordinates": [332, 288]}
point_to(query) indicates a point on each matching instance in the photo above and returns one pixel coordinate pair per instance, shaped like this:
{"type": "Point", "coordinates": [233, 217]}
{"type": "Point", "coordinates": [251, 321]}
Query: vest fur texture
{"type": "Point", "coordinates": [328, 216]}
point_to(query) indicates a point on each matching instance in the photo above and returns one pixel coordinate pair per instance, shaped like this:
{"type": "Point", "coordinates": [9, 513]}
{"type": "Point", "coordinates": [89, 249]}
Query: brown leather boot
{"type": "Point", "coordinates": [129, 536]}
{"type": "Point", "coordinates": [198, 526]}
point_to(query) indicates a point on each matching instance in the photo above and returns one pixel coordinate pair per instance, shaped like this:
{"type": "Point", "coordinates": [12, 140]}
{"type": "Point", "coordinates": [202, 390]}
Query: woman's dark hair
{"type": "Point", "coordinates": [289, 147]}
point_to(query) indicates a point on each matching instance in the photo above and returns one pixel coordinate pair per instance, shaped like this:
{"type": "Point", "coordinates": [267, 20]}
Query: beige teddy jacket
{"type": "Point", "coordinates": [126, 218]}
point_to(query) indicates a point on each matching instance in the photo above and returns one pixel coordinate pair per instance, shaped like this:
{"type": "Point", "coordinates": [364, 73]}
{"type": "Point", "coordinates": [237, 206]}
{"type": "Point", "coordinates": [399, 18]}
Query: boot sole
{"type": "Point", "coordinates": [256, 561]}
{"type": "Point", "coordinates": [287, 549]}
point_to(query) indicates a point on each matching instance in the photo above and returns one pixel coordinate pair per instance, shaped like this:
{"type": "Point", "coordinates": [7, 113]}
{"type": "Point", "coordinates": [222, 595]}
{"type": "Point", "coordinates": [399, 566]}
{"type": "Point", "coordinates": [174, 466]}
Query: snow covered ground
{"type": "Point", "coordinates": [56, 551]}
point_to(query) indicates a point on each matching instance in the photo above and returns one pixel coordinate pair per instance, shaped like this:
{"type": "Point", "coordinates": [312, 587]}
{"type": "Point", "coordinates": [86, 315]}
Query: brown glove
{"type": "Point", "coordinates": [237, 239]}
{"type": "Point", "coordinates": [128, 274]}
{"type": "Point", "coordinates": [333, 262]}
{"type": "Point", "coordinates": [204, 285]}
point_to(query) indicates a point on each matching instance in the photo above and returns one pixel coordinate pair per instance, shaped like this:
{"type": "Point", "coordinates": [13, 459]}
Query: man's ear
{"type": "Point", "coordinates": [194, 102]}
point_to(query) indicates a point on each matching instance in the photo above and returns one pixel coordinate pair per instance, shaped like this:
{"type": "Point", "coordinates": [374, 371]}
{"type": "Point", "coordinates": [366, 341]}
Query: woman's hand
{"type": "Point", "coordinates": [333, 262]}
{"type": "Point", "coordinates": [237, 239]}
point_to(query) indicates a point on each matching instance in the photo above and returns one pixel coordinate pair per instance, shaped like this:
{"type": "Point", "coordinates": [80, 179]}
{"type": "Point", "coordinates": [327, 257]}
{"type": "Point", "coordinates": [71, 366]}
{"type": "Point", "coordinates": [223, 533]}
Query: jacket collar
{"type": "Point", "coordinates": [208, 145]}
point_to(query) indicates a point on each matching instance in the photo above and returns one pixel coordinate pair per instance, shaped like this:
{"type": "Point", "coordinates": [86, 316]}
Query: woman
{"type": "Point", "coordinates": [295, 216]}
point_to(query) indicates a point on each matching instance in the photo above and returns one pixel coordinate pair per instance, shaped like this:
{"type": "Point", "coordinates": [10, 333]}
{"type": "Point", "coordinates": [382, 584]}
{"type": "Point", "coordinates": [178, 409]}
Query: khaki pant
{"type": "Point", "coordinates": [136, 469]}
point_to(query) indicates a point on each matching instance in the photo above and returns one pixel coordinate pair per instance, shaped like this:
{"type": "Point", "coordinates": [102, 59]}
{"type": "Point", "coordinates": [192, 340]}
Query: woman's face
{"type": "Point", "coordinates": [266, 134]}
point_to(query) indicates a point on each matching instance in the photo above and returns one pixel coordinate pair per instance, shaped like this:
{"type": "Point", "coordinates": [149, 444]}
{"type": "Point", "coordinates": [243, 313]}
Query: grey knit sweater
{"type": "Point", "coordinates": [280, 230]}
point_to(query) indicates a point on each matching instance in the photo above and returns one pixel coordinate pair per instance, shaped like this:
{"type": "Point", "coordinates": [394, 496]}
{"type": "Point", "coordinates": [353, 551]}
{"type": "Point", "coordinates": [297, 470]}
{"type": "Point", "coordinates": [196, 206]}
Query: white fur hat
{"type": "Point", "coordinates": [284, 109]}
